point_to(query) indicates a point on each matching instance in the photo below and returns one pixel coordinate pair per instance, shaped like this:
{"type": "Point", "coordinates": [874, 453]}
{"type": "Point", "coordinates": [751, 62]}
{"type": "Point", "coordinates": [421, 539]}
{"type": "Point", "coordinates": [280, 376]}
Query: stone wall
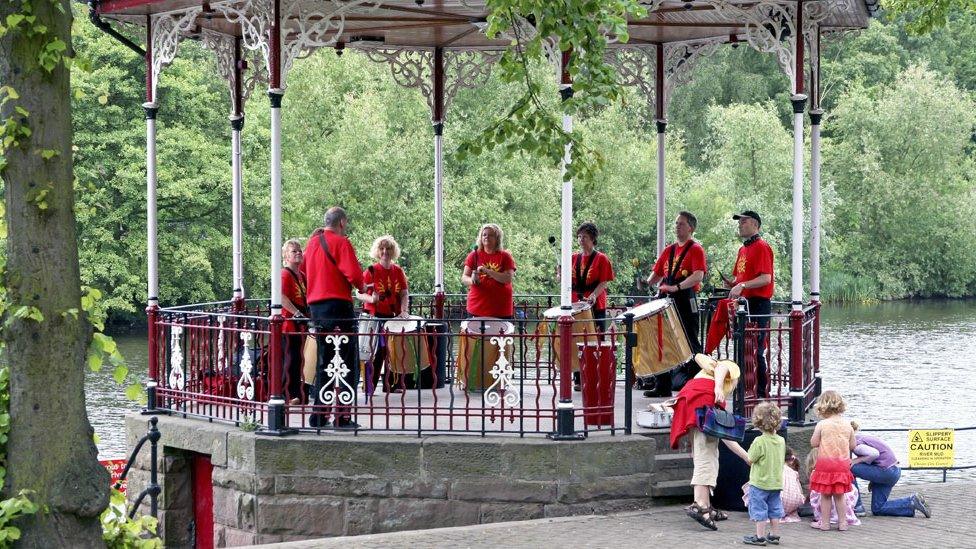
{"type": "Point", "coordinates": [269, 489]}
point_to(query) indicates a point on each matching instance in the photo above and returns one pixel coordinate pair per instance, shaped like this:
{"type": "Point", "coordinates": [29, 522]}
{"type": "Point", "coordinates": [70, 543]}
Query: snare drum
{"type": "Point", "coordinates": [477, 353]}
{"type": "Point", "coordinates": [661, 340]}
{"type": "Point", "coordinates": [406, 345]}
{"type": "Point", "coordinates": [583, 329]}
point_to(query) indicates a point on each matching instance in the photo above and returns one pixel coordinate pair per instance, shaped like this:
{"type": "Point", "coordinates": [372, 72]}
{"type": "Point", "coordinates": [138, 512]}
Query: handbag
{"type": "Point", "coordinates": [716, 422]}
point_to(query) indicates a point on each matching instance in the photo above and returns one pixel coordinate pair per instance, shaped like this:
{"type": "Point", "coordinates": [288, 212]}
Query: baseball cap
{"type": "Point", "coordinates": [750, 214]}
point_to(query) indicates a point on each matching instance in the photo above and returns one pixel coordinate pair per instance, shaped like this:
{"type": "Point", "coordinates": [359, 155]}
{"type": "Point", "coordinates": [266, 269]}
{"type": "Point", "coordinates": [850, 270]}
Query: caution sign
{"type": "Point", "coordinates": [930, 447]}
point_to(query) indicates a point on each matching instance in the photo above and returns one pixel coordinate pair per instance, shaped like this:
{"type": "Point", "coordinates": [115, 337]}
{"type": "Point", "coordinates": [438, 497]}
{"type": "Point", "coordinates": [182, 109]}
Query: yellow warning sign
{"type": "Point", "coordinates": [930, 448]}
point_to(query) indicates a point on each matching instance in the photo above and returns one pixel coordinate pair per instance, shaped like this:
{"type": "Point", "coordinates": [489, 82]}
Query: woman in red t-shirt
{"type": "Point", "coordinates": [488, 273]}
{"type": "Point", "coordinates": [293, 304]}
{"type": "Point", "coordinates": [386, 297]}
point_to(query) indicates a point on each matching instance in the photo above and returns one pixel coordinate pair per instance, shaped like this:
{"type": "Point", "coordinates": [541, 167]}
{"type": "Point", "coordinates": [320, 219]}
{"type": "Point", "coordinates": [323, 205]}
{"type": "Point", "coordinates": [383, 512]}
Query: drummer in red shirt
{"type": "Point", "coordinates": [488, 273]}
{"type": "Point", "coordinates": [753, 280]}
{"type": "Point", "coordinates": [680, 270]}
{"type": "Point", "coordinates": [333, 271]}
{"type": "Point", "coordinates": [385, 297]}
{"type": "Point", "coordinates": [592, 271]}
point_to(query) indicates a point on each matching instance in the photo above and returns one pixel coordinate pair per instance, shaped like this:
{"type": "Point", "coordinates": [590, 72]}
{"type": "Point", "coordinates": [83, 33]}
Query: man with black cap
{"type": "Point", "coordinates": [753, 280]}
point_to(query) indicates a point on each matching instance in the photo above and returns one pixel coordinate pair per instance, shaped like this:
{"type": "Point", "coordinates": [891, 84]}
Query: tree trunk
{"type": "Point", "coordinates": [50, 449]}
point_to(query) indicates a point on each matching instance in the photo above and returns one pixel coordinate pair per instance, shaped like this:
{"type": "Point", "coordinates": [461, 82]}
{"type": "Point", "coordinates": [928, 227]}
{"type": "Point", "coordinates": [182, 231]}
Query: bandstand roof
{"type": "Point", "coordinates": [455, 24]}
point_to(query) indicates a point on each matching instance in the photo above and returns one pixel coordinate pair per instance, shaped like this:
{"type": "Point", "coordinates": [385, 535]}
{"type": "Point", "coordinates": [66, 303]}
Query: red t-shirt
{"type": "Point", "coordinates": [754, 259]}
{"type": "Point", "coordinates": [693, 261]}
{"type": "Point", "coordinates": [600, 271]}
{"type": "Point", "coordinates": [388, 283]}
{"type": "Point", "coordinates": [490, 297]}
{"type": "Point", "coordinates": [293, 287]}
{"type": "Point", "coordinates": [328, 280]}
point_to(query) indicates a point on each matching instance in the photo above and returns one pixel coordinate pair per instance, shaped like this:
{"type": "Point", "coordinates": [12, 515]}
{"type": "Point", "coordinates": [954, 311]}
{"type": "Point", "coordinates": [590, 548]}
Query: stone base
{"type": "Point", "coordinates": [268, 489]}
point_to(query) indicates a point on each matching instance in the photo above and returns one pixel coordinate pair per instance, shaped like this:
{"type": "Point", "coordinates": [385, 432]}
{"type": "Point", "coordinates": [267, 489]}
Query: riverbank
{"type": "Point", "coordinates": [667, 526]}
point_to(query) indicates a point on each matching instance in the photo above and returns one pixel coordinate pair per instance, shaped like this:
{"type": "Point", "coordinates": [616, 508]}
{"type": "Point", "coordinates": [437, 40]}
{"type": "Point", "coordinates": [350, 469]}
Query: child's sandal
{"type": "Point", "coordinates": [701, 516]}
{"type": "Point", "coordinates": [820, 525]}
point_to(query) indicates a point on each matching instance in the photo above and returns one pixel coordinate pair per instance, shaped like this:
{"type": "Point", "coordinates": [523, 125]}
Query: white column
{"type": "Point", "coordinates": [661, 127]}
{"type": "Point", "coordinates": [237, 123]}
{"type": "Point", "coordinates": [815, 118]}
{"type": "Point", "coordinates": [438, 206]}
{"type": "Point", "coordinates": [275, 95]}
{"type": "Point", "coordinates": [796, 270]}
{"type": "Point", "coordinates": [152, 246]}
{"type": "Point", "coordinates": [566, 252]}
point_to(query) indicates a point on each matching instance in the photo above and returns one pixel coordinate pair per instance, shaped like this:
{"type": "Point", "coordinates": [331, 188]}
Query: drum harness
{"type": "Point", "coordinates": [580, 286]}
{"type": "Point", "coordinates": [671, 277]}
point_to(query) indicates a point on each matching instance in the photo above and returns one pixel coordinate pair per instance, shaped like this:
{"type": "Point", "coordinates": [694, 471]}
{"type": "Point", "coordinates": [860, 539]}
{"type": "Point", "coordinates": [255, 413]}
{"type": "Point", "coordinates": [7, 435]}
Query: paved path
{"type": "Point", "coordinates": [953, 525]}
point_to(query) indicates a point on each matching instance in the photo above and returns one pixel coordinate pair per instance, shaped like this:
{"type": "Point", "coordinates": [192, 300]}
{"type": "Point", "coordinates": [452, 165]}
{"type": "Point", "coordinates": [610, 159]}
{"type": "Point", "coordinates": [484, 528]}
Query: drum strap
{"type": "Point", "coordinates": [673, 271]}
{"type": "Point", "coordinates": [300, 284]}
{"type": "Point", "coordinates": [581, 286]}
{"type": "Point", "coordinates": [660, 337]}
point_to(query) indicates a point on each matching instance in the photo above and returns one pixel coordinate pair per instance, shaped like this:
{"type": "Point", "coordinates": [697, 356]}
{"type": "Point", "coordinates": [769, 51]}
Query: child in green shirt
{"type": "Point", "coordinates": [766, 456]}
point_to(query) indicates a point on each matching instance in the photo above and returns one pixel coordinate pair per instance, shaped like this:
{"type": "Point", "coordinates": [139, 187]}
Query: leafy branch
{"type": "Point", "coordinates": [582, 28]}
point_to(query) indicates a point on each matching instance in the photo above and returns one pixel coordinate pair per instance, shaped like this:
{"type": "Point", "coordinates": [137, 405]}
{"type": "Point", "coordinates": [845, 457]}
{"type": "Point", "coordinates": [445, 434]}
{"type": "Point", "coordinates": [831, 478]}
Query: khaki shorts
{"type": "Point", "coordinates": [704, 454]}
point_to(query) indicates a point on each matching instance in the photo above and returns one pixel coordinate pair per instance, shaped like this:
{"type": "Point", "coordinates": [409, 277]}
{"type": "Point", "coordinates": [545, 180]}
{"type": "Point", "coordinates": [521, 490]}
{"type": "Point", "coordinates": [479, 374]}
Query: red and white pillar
{"type": "Point", "coordinates": [799, 103]}
{"type": "Point", "coordinates": [662, 124]}
{"type": "Point", "coordinates": [237, 125]}
{"type": "Point", "coordinates": [438, 121]}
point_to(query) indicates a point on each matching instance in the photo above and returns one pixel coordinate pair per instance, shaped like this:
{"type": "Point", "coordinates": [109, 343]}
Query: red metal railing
{"type": "Point", "coordinates": [220, 362]}
{"type": "Point", "coordinates": [790, 353]}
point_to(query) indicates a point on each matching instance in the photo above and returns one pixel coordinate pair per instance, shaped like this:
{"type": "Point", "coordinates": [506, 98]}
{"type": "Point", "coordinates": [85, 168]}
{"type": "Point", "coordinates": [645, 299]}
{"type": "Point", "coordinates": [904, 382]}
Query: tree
{"type": "Point", "coordinates": [50, 448]}
{"type": "Point", "coordinates": [928, 14]}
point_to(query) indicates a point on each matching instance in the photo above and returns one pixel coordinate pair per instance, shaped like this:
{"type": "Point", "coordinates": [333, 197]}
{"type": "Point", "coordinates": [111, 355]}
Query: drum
{"type": "Point", "coordinates": [406, 345]}
{"type": "Point", "coordinates": [661, 340]}
{"type": "Point", "coordinates": [477, 353]}
{"type": "Point", "coordinates": [583, 329]}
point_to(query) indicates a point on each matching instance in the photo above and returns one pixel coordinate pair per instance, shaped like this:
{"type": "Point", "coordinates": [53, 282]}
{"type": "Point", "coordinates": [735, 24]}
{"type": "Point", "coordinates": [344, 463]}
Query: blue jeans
{"type": "Point", "coordinates": [881, 481]}
{"type": "Point", "coordinates": [765, 504]}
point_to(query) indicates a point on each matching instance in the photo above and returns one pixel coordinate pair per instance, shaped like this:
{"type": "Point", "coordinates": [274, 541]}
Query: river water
{"type": "Point", "coordinates": [899, 364]}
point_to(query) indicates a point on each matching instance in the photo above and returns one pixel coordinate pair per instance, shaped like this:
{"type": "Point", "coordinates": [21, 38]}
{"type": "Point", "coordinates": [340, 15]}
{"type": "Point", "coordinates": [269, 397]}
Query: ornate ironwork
{"type": "Point", "coordinates": [414, 68]}
{"type": "Point", "coordinates": [177, 379]}
{"type": "Point", "coordinates": [224, 47]}
{"type": "Point", "coordinates": [681, 57]}
{"type": "Point", "coordinates": [504, 374]}
{"type": "Point", "coordinates": [245, 385]}
{"type": "Point", "coordinates": [335, 375]}
{"type": "Point", "coordinates": [167, 32]}
{"type": "Point", "coordinates": [636, 67]}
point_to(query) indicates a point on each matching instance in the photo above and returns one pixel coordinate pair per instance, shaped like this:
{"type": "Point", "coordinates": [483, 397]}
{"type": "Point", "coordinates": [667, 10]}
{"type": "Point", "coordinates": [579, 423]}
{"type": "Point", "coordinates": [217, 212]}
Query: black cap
{"type": "Point", "coordinates": [750, 214]}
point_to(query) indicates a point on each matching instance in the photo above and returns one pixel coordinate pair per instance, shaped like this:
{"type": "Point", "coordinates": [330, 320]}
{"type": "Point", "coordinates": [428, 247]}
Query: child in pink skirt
{"type": "Point", "coordinates": [832, 477]}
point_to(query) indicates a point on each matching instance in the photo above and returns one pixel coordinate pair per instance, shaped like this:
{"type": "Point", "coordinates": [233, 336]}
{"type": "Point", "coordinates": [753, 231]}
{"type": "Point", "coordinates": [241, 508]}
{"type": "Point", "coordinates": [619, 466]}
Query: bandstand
{"type": "Point", "coordinates": [221, 362]}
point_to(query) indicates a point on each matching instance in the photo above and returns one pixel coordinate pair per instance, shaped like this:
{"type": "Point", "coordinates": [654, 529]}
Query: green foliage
{"type": "Point", "coordinates": [19, 505]}
{"type": "Point", "coordinates": [353, 137]}
{"type": "Point", "coordinates": [926, 15]}
{"type": "Point", "coordinates": [121, 532]}
{"type": "Point", "coordinates": [532, 125]}
{"type": "Point", "coordinates": [10, 510]}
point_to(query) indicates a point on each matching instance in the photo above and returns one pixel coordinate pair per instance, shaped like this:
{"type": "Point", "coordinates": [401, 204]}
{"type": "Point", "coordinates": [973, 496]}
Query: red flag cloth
{"type": "Point", "coordinates": [719, 327]}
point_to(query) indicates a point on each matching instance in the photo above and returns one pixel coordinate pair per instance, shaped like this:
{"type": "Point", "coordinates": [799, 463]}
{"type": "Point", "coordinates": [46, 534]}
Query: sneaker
{"type": "Point", "coordinates": [317, 420]}
{"type": "Point", "coordinates": [346, 425]}
{"type": "Point", "coordinates": [860, 512]}
{"type": "Point", "coordinates": [577, 388]}
{"type": "Point", "coordinates": [918, 503]}
{"type": "Point", "coordinates": [753, 540]}
{"type": "Point", "coordinates": [772, 540]}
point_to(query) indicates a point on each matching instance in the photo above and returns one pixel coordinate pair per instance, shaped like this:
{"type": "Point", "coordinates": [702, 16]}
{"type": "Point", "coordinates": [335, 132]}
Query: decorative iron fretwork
{"type": "Point", "coordinates": [245, 385]}
{"type": "Point", "coordinates": [414, 68]}
{"type": "Point", "coordinates": [636, 67]}
{"type": "Point", "coordinates": [680, 59]}
{"type": "Point", "coordinates": [335, 375]}
{"type": "Point", "coordinates": [167, 32]}
{"type": "Point", "coordinates": [177, 380]}
{"type": "Point", "coordinates": [503, 374]}
{"type": "Point", "coordinates": [223, 47]}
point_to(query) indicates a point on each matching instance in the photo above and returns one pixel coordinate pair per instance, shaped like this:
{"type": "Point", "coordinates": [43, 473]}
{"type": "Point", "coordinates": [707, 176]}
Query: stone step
{"type": "Point", "coordinates": [677, 460]}
{"type": "Point", "coordinates": [671, 488]}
